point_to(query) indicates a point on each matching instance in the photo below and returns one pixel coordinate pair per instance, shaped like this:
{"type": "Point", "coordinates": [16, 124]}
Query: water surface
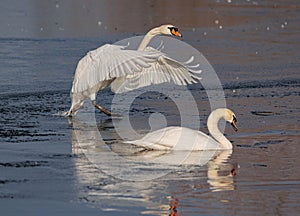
{"type": "Point", "coordinates": [253, 47]}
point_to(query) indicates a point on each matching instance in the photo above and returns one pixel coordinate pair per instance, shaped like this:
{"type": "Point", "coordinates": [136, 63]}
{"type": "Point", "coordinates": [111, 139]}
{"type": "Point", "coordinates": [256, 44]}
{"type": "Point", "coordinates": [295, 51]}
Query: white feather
{"type": "Point", "coordinates": [126, 70]}
{"type": "Point", "coordinates": [162, 69]}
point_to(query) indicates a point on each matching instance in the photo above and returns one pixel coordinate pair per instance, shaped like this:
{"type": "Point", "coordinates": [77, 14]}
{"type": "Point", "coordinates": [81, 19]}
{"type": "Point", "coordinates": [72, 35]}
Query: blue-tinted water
{"type": "Point", "coordinates": [256, 56]}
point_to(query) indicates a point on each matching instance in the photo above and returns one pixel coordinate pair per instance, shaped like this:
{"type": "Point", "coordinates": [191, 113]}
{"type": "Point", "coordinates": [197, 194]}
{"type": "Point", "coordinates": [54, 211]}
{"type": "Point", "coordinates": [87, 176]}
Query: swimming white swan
{"type": "Point", "coordinates": [126, 70]}
{"type": "Point", "coordinates": [181, 138]}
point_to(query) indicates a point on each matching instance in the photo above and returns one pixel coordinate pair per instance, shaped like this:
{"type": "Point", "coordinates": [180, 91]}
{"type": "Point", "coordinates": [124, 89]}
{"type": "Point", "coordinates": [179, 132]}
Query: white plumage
{"type": "Point", "coordinates": [176, 138]}
{"type": "Point", "coordinates": [162, 69]}
{"type": "Point", "coordinates": [181, 138]}
{"type": "Point", "coordinates": [126, 70]}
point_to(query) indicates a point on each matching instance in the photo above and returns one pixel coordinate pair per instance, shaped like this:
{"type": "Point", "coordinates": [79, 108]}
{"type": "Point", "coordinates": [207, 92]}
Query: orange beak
{"type": "Point", "coordinates": [233, 124]}
{"type": "Point", "coordinates": [176, 33]}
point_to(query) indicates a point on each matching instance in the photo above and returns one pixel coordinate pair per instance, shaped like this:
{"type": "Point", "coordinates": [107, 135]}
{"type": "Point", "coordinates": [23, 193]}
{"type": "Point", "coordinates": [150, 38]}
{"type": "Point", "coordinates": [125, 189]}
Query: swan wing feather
{"type": "Point", "coordinates": [162, 69]}
{"type": "Point", "coordinates": [176, 138]}
{"type": "Point", "coordinates": [108, 62]}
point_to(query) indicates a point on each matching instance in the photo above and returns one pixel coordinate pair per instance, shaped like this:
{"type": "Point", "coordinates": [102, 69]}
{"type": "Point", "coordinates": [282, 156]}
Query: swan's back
{"type": "Point", "coordinates": [177, 138]}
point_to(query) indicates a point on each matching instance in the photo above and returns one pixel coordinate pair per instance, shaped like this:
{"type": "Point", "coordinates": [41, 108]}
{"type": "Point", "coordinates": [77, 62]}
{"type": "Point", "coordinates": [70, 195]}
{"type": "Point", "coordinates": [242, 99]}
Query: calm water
{"type": "Point", "coordinates": [253, 47]}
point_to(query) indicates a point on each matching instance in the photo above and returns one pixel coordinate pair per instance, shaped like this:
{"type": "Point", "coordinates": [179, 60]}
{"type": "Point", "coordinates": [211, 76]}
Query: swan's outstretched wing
{"type": "Point", "coordinates": [108, 62]}
{"type": "Point", "coordinates": [163, 69]}
{"type": "Point", "coordinates": [131, 69]}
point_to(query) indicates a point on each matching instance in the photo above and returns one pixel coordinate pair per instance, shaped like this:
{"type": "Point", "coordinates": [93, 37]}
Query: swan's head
{"type": "Point", "coordinates": [230, 117]}
{"type": "Point", "coordinates": [169, 30]}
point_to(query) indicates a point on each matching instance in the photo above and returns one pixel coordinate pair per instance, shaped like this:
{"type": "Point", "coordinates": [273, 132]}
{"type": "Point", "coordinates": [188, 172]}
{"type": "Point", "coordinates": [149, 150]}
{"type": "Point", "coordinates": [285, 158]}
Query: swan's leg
{"type": "Point", "coordinates": [75, 109]}
{"type": "Point", "coordinates": [101, 108]}
{"type": "Point", "coordinates": [76, 105]}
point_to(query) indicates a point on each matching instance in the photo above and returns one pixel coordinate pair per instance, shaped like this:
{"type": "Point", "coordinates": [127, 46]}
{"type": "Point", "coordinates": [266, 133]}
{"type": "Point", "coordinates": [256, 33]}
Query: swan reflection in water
{"type": "Point", "coordinates": [153, 182]}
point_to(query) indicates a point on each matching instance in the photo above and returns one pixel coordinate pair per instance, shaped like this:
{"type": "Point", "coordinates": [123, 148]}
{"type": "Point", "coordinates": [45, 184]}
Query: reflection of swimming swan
{"type": "Point", "coordinates": [100, 189]}
{"type": "Point", "coordinates": [180, 138]}
{"type": "Point", "coordinates": [217, 181]}
{"type": "Point", "coordinates": [112, 64]}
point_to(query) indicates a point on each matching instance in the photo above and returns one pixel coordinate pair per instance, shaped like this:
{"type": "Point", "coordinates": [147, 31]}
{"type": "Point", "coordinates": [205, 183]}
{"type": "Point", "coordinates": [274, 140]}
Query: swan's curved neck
{"type": "Point", "coordinates": [152, 33]}
{"type": "Point", "coordinates": [212, 125]}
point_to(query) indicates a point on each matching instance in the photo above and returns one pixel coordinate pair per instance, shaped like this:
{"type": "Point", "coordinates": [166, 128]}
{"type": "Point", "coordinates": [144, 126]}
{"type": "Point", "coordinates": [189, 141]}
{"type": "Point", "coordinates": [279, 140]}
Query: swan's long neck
{"type": "Point", "coordinates": [152, 33]}
{"type": "Point", "coordinates": [212, 125]}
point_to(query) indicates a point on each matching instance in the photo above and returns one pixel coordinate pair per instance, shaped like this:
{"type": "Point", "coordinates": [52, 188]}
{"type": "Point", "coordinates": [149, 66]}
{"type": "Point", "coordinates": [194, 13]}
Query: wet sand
{"type": "Point", "coordinates": [253, 47]}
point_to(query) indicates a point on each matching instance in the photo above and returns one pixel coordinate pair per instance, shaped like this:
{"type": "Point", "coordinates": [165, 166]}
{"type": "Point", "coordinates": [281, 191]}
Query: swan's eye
{"type": "Point", "coordinates": [174, 31]}
{"type": "Point", "coordinates": [233, 123]}
{"type": "Point", "coordinates": [234, 119]}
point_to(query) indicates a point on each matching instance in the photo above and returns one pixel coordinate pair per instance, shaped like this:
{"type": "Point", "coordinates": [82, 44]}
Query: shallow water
{"type": "Point", "coordinates": [254, 49]}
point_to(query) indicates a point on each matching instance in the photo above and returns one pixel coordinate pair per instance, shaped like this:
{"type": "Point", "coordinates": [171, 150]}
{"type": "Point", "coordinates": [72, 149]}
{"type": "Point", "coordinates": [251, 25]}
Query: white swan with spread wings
{"type": "Point", "coordinates": [126, 70]}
